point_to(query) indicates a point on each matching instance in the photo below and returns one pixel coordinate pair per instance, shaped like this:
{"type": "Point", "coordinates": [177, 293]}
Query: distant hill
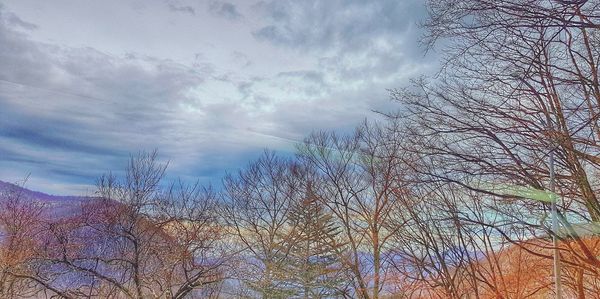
{"type": "Point", "coordinates": [57, 206]}
{"type": "Point", "coordinates": [523, 270]}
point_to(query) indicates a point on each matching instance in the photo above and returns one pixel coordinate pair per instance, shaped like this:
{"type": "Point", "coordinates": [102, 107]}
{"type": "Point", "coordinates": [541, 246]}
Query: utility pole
{"type": "Point", "coordinates": [557, 279]}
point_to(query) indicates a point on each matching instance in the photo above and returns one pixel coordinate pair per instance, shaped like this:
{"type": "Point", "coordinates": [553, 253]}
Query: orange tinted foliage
{"type": "Point", "coordinates": [521, 271]}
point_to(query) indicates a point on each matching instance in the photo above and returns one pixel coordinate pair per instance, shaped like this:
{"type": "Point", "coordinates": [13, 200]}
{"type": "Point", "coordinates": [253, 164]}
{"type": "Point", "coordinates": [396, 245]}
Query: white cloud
{"type": "Point", "coordinates": [82, 87]}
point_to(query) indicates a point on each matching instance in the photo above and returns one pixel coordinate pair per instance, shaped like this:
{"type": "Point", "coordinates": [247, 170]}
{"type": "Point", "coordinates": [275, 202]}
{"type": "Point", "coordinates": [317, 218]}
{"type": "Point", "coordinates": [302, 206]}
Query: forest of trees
{"type": "Point", "coordinates": [437, 199]}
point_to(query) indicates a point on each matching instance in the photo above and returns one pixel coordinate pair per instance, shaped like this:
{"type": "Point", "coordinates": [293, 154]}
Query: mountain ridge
{"type": "Point", "coordinates": [32, 194]}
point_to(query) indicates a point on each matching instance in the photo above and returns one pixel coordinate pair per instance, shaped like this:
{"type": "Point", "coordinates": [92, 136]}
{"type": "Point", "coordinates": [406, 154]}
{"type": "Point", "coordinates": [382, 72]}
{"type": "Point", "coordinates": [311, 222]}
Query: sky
{"type": "Point", "coordinates": [209, 83]}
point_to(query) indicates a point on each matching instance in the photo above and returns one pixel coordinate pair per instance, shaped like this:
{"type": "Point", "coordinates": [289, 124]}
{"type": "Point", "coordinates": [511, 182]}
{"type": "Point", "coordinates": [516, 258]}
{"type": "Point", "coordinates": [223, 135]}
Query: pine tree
{"type": "Point", "coordinates": [313, 251]}
{"type": "Point", "coordinates": [273, 283]}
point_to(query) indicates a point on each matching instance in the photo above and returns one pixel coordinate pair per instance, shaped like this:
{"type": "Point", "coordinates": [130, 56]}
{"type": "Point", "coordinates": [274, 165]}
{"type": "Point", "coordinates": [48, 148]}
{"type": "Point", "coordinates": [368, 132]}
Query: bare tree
{"type": "Point", "coordinates": [140, 239]}
{"type": "Point", "coordinates": [519, 81]}
{"type": "Point", "coordinates": [358, 181]}
{"type": "Point", "coordinates": [21, 222]}
{"type": "Point", "coordinates": [257, 206]}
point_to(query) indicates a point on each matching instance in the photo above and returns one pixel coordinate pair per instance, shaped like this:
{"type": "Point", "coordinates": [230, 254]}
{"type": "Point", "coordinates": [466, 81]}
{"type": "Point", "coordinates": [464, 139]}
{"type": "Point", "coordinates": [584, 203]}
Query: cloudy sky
{"type": "Point", "coordinates": [209, 83]}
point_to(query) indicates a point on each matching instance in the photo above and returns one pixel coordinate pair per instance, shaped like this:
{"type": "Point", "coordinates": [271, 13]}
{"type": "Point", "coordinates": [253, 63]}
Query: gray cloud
{"type": "Point", "coordinates": [349, 24]}
{"type": "Point", "coordinates": [86, 105]}
{"type": "Point", "coordinates": [70, 113]}
{"type": "Point", "coordinates": [177, 7]}
{"type": "Point", "coordinates": [13, 20]}
{"type": "Point", "coordinates": [184, 9]}
{"type": "Point", "coordinates": [224, 9]}
{"type": "Point", "coordinates": [356, 40]}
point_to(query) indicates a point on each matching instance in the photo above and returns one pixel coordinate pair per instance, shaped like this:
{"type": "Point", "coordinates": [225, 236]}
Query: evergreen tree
{"type": "Point", "coordinates": [312, 263]}
{"type": "Point", "coordinates": [273, 284]}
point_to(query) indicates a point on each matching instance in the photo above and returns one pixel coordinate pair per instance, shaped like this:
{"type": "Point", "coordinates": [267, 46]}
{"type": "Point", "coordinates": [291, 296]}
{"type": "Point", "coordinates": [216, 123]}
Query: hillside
{"type": "Point", "coordinates": [55, 205]}
{"type": "Point", "coordinates": [523, 270]}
